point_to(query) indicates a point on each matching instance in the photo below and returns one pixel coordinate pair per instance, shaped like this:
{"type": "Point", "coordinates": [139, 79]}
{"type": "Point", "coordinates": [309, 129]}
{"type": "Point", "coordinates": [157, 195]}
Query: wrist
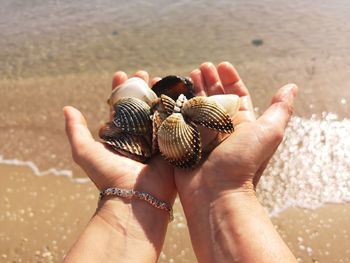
{"type": "Point", "coordinates": [226, 201]}
{"type": "Point", "coordinates": [215, 225]}
{"type": "Point", "coordinates": [121, 229]}
{"type": "Point", "coordinates": [135, 215]}
{"type": "Point", "coordinates": [205, 196]}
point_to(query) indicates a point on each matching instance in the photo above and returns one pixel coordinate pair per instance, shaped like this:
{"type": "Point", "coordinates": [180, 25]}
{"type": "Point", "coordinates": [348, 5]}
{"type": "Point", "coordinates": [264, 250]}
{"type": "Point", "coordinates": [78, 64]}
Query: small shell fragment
{"type": "Point", "coordinates": [179, 142]}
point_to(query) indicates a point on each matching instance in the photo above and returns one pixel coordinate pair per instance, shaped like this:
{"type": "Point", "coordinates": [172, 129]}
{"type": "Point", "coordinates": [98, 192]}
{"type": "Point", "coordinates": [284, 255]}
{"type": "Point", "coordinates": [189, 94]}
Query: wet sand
{"type": "Point", "coordinates": [46, 63]}
{"type": "Point", "coordinates": [42, 217]}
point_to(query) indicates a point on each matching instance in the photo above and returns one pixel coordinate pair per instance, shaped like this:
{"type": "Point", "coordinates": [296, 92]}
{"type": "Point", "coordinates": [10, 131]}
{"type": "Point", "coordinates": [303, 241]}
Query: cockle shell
{"type": "Point", "coordinates": [168, 104]}
{"type": "Point", "coordinates": [132, 146]}
{"type": "Point", "coordinates": [134, 88]}
{"type": "Point", "coordinates": [145, 121]}
{"type": "Point", "coordinates": [132, 116]}
{"type": "Point", "coordinates": [179, 142]}
{"type": "Point", "coordinates": [206, 111]}
{"type": "Point", "coordinates": [130, 131]}
{"type": "Point", "coordinates": [178, 137]}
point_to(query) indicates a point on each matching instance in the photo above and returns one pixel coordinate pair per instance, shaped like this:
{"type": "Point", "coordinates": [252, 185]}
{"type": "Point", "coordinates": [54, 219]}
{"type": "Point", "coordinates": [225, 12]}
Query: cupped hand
{"type": "Point", "coordinates": [106, 168]}
{"type": "Point", "coordinates": [237, 163]}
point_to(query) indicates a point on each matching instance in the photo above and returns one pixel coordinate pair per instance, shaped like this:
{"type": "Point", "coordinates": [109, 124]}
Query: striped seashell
{"type": "Point", "coordinates": [131, 146]}
{"type": "Point", "coordinates": [179, 142]}
{"type": "Point", "coordinates": [132, 116]}
{"type": "Point", "coordinates": [208, 112]}
{"type": "Point", "coordinates": [134, 88]}
{"type": "Point", "coordinates": [156, 122]}
{"type": "Point", "coordinates": [168, 104]}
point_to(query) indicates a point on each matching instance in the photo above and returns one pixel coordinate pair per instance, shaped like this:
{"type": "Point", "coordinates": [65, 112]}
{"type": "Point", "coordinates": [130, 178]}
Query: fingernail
{"type": "Point", "coordinates": [207, 65]}
{"type": "Point", "coordinates": [289, 91]}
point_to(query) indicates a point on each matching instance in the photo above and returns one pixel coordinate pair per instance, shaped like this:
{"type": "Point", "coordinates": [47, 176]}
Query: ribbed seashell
{"type": "Point", "coordinates": [168, 104]}
{"type": "Point", "coordinates": [132, 146]}
{"type": "Point", "coordinates": [179, 142]}
{"type": "Point", "coordinates": [207, 112]}
{"type": "Point", "coordinates": [134, 88]}
{"type": "Point", "coordinates": [132, 116]}
{"type": "Point", "coordinates": [156, 122]}
{"type": "Point", "coordinates": [173, 86]}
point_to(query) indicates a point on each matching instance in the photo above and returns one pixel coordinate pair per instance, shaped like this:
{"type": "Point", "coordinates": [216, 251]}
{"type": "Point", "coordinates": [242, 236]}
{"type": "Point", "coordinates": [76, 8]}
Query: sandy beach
{"type": "Point", "coordinates": [60, 53]}
{"type": "Point", "coordinates": [42, 226]}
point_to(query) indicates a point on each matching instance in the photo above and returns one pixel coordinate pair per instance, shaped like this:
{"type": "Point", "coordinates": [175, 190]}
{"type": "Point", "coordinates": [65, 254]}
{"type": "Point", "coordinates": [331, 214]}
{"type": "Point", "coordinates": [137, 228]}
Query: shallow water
{"type": "Point", "coordinates": [55, 53]}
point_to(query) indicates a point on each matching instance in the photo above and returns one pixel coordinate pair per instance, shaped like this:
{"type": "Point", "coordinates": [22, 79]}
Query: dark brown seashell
{"type": "Point", "coordinates": [173, 86]}
{"type": "Point", "coordinates": [132, 116]}
{"type": "Point", "coordinates": [130, 131]}
{"type": "Point", "coordinates": [131, 146]}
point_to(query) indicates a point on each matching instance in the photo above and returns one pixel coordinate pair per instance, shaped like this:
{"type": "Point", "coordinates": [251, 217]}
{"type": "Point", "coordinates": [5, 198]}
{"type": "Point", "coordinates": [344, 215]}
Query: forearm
{"type": "Point", "coordinates": [234, 227]}
{"type": "Point", "coordinates": [121, 232]}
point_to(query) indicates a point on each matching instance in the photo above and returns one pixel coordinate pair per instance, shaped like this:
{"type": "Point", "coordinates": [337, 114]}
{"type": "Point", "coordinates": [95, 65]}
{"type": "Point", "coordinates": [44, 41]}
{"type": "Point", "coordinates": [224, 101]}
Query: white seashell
{"type": "Point", "coordinates": [134, 88]}
{"type": "Point", "coordinates": [230, 102]}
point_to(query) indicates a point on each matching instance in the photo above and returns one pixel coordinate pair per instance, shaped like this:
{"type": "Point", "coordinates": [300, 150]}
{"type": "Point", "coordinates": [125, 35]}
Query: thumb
{"type": "Point", "coordinates": [77, 132]}
{"type": "Point", "coordinates": [275, 119]}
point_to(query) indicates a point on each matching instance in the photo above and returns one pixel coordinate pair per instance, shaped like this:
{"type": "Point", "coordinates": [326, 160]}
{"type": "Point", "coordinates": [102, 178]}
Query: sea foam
{"type": "Point", "coordinates": [311, 166]}
{"type": "Point", "coordinates": [52, 171]}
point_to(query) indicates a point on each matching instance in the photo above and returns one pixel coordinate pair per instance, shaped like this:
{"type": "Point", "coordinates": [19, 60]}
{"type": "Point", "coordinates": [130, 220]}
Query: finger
{"type": "Point", "coordinates": [142, 75]}
{"type": "Point", "coordinates": [211, 79]}
{"type": "Point", "coordinates": [198, 82]}
{"type": "Point", "coordinates": [154, 81]}
{"type": "Point", "coordinates": [78, 134]}
{"type": "Point", "coordinates": [118, 78]}
{"type": "Point", "coordinates": [232, 83]}
{"type": "Point", "coordinates": [275, 119]}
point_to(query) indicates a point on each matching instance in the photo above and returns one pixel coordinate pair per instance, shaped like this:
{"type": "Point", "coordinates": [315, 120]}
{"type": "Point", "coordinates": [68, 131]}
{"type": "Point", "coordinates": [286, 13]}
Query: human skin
{"type": "Point", "coordinates": [120, 230]}
{"type": "Point", "coordinates": [226, 222]}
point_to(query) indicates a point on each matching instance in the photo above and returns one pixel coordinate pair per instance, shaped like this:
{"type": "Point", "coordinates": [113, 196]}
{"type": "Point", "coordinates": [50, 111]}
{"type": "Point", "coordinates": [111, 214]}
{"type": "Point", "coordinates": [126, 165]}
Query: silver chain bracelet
{"type": "Point", "coordinates": [129, 193]}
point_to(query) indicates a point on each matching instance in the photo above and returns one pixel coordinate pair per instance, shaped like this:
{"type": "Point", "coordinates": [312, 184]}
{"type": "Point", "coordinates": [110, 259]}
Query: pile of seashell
{"type": "Point", "coordinates": [164, 119]}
